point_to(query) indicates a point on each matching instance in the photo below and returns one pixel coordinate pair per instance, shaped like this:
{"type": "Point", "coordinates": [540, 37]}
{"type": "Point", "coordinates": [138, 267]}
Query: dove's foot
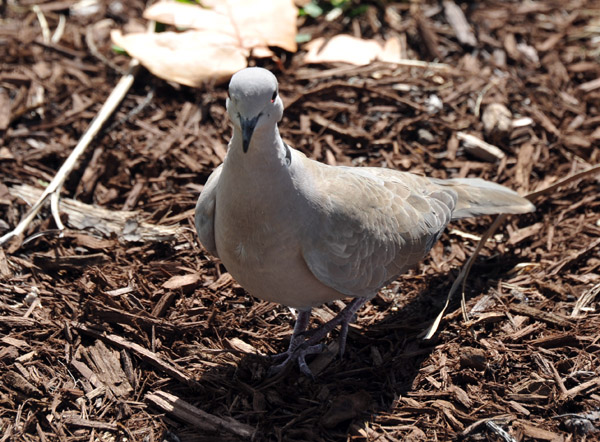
{"type": "Point", "coordinates": [299, 356]}
{"type": "Point", "coordinates": [298, 348]}
{"type": "Point", "coordinates": [304, 343]}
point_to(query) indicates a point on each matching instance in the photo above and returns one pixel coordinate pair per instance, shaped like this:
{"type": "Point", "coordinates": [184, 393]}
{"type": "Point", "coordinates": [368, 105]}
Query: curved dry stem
{"type": "Point", "coordinates": [464, 273]}
{"type": "Point", "coordinates": [57, 182]}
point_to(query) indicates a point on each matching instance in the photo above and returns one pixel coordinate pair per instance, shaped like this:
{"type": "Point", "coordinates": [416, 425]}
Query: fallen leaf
{"type": "Point", "coordinates": [218, 39]}
{"type": "Point", "coordinates": [347, 49]}
{"type": "Point", "coordinates": [391, 51]}
{"type": "Point", "coordinates": [253, 23]}
{"type": "Point", "coordinates": [184, 57]}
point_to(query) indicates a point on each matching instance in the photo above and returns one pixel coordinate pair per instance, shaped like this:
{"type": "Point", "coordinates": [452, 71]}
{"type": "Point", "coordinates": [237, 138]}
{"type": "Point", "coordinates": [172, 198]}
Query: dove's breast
{"type": "Point", "coordinates": [259, 224]}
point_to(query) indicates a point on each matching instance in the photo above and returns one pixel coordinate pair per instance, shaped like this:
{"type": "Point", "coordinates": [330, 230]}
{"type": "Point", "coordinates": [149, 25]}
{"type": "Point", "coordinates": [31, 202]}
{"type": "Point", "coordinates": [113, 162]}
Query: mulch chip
{"type": "Point", "coordinates": [123, 328]}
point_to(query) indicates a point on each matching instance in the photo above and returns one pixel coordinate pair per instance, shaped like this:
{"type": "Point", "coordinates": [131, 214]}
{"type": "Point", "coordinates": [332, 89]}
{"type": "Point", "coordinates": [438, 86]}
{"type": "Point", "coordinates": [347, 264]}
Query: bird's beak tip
{"type": "Point", "coordinates": [247, 131]}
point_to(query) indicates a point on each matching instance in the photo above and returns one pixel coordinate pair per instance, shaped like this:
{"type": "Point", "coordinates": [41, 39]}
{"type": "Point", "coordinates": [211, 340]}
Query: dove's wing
{"type": "Point", "coordinates": [373, 225]}
{"type": "Point", "coordinates": [205, 212]}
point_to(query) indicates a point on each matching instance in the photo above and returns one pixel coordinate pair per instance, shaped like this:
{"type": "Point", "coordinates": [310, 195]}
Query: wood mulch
{"type": "Point", "coordinates": [108, 332]}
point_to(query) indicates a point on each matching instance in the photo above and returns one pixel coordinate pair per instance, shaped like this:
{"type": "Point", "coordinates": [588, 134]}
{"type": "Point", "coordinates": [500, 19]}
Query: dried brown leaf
{"type": "Point", "coordinates": [253, 23]}
{"type": "Point", "coordinates": [188, 58]}
{"type": "Point", "coordinates": [347, 49]}
{"type": "Point", "coordinates": [220, 36]}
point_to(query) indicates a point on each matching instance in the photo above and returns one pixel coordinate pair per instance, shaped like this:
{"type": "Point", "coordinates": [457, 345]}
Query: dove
{"type": "Point", "coordinates": [297, 232]}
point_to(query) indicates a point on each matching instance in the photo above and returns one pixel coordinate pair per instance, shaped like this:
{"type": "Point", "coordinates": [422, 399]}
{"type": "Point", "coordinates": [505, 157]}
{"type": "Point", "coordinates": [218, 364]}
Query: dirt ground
{"type": "Point", "coordinates": [130, 331]}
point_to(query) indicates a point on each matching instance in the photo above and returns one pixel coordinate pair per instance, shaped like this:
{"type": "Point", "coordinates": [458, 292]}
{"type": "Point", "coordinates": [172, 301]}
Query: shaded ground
{"type": "Point", "coordinates": [528, 357]}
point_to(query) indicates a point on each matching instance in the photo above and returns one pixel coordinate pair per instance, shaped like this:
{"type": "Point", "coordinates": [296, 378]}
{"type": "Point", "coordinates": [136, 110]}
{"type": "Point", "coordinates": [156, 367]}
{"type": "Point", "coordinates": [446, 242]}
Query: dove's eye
{"type": "Point", "coordinates": [273, 97]}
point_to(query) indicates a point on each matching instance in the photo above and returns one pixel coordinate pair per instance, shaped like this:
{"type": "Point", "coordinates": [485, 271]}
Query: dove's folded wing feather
{"type": "Point", "coordinates": [374, 224]}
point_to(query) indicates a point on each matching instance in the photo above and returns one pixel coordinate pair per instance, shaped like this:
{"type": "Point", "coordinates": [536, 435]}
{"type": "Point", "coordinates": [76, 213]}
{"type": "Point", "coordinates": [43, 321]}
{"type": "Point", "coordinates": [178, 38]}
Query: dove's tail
{"type": "Point", "coordinates": [480, 197]}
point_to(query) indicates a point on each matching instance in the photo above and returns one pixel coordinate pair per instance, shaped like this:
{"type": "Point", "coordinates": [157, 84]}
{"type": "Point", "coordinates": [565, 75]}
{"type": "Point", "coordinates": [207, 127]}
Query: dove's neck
{"type": "Point", "coordinates": [266, 151]}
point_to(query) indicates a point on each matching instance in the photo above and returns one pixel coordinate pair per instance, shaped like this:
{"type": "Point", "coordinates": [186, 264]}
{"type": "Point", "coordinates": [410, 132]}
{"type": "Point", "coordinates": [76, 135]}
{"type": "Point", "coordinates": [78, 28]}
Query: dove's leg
{"type": "Point", "coordinates": [297, 349]}
{"type": "Point", "coordinates": [345, 317]}
{"type": "Point", "coordinates": [299, 328]}
{"type": "Point", "coordinates": [302, 346]}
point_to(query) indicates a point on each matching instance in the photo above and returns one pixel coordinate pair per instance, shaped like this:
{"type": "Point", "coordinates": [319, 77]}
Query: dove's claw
{"type": "Point", "coordinates": [304, 343]}
{"type": "Point", "coordinates": [298, 355]}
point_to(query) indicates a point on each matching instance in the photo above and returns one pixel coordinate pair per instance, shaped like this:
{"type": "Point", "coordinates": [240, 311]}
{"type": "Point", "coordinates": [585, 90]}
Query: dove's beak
{"type": "Point", "coordinates": [248, 126]}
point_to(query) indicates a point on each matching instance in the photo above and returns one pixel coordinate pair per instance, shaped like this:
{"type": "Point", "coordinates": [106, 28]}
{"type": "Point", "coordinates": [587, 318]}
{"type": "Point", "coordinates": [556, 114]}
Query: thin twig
{"type": "Point", "coordinates": [89, 40]}
{"type": "Point", "coordinates": [462, 276]}
{"type": "Point", "coordinates": [43, 23]}
{"type": "Point", "coordinates": [60, 29]}
{"type": "Point", "coordinates": [135, 111]}
{"type": "Point", "coordinates": [57, 182]}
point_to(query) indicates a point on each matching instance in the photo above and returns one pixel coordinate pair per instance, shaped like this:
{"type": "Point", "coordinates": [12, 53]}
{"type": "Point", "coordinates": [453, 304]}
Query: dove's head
{"type": "Point", "coordinates": [254, 104]}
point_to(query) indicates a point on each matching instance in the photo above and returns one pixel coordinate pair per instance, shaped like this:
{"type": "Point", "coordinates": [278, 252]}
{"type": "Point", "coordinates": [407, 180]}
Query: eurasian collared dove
{"type": "Point", "coordinates": [301, 233]}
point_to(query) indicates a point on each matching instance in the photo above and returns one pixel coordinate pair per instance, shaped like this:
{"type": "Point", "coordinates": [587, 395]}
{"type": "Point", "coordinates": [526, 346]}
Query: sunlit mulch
{"type": "Point", "coordinates": [100, 336]}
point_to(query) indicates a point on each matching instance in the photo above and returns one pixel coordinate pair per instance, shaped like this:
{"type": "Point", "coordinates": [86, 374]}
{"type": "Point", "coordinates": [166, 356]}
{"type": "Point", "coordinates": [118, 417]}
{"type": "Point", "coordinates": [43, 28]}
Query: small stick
{"type": "Point", "coordinates": [462, 276]}
{"type": "Point", "coordinates": [60, 29]}
{"type": "Point", "coordinates": [57, 182]}
{"type": "Point", "coordinates": [43, 23]}
{"type": "Point", "coordinates": [197, 417]}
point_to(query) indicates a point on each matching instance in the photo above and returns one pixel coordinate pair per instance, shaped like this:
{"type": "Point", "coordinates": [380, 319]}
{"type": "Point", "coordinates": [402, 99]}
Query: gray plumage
{"type": "Point", "coordinates": [301, 233]}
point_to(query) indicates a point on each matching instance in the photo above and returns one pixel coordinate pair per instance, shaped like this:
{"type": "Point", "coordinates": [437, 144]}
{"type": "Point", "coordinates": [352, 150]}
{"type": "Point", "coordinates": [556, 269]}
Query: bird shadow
{"type": "Point", "coordinates": [384, 357]}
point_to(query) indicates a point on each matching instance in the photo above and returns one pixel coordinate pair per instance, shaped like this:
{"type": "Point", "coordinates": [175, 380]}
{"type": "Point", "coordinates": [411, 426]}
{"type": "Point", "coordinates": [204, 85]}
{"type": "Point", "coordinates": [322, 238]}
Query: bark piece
{"type": "Point", "coordinates": [196, 417]}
